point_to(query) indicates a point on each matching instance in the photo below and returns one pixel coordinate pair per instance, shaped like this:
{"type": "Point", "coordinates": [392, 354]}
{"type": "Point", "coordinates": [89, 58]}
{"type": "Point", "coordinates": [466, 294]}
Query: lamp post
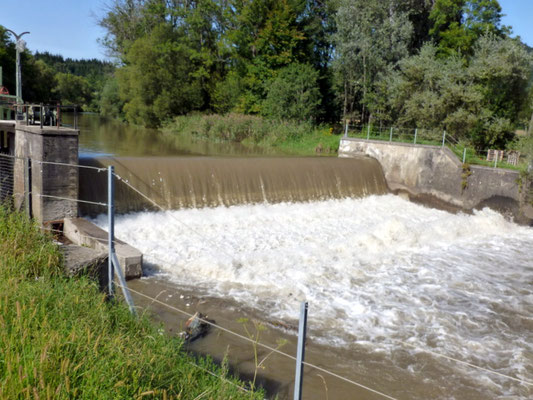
{"type": "Point", "coordinates": [21, 45]}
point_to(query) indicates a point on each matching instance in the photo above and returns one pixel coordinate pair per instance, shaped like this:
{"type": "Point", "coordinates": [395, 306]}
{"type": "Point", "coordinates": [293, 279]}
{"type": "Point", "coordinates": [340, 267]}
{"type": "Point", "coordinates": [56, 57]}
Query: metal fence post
{"type": "Point", "coordinates": [368, 132]}
{"type": "Point", "coordinates": [114, 264]}
{"type": "Point", "coordinates": [111, 229]}
{"type": "Point", "coordinates": [27, 186]}
{"type": "Point", "coordinates": [300, 355]}
{"type": "Point", "coordinates": [416, 134]}
{"type": "Point", "coordinates": [346, 130]}
{"type": "Point", "coordinates": [496, 161]}
{"type": "Point", "coordinates": [443, 138]}
{"type": "Point", "coordinates": [41, 115]}
{"type": "Point", "coordinates": [390, 137]}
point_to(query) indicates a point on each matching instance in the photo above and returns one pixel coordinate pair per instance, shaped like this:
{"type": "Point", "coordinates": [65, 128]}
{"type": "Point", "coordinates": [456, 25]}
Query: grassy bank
{"type": "Point", "coordinates": [60, 338]}
{"type": "Point", "coordinates": [283, 136]}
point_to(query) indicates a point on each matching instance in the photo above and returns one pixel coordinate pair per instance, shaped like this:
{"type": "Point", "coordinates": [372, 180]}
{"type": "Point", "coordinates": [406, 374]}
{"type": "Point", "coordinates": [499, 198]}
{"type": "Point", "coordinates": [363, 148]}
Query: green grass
{"type": "Point", "coordinates": [61, 339]}
{"type": "Point", "coordinates": [285, 137]}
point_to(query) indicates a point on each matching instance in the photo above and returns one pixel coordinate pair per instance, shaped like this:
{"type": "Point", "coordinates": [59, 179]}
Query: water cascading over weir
{"type": "Point", "coordinates": [195, 182]}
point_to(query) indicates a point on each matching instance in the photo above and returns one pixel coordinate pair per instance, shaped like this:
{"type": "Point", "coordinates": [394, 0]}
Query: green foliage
{"type": "Point", "coordinates": [61, 338]}
{"type": "Point", "coordinates": [287, 136]}
{"type": "Point", "coordinates": [293, 94]}
{"type": "Point", "coordinates": [72, 89]}
{"type": "Point", "coordinates": [457, 24]}
{"type": "Point", "coordinates": [371, 38]}
{"type": "Point", "coordinates": [110, 103]}
{"type": "Point", "coordinates": [24, 252]}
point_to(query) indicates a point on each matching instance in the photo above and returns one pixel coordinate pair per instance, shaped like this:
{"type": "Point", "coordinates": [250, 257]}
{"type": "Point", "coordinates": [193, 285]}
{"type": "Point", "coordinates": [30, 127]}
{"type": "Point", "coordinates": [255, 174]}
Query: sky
{"type": "Point", "coordinates": [66, 27]}
{"type": "Point", "coordinates": [69, 27]}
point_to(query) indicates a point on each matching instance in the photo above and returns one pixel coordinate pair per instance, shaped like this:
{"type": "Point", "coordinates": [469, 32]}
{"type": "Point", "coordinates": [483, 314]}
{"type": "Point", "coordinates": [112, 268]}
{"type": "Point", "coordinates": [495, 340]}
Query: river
{"type": "Point", "coordinates": [401, 296]}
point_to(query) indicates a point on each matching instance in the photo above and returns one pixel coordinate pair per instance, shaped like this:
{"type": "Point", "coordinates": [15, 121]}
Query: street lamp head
{"type": "Point", "coordinates": [16, 36]}
{"type": "Point", "coordinates": [21, 45]}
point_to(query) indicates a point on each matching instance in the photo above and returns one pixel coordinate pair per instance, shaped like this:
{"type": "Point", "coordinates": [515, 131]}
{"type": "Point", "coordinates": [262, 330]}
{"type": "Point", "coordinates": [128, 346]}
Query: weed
{"type": "Point", "coordinates": [60, 338]}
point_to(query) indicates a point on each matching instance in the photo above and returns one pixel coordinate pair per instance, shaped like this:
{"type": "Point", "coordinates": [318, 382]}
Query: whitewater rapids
{"type": "Point", "coordinates": [378, 272]}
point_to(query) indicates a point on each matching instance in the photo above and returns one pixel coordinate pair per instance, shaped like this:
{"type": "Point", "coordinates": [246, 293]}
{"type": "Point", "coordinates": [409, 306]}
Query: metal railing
{"type": "Point", "coordinates": [46, 115]}
{"type": "Point", "coordinates": [509, 159]}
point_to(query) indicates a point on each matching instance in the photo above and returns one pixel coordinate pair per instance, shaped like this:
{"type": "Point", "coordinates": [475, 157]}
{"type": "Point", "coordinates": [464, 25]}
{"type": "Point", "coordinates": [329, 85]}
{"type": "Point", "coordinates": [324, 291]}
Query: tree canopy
{"type": "Point", "coordinates": [436, 64]}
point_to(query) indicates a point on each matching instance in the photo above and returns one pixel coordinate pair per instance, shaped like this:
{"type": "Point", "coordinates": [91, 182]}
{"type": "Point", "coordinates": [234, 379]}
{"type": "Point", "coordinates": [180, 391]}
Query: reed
{"type": "Point", "coordinates": [299, 138]}
{"type": "Point", "coordinates": [61, 339]}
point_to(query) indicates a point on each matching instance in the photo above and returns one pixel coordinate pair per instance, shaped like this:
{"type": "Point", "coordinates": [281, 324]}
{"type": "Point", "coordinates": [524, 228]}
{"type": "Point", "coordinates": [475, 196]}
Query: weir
{"type": "Point", "coordinates": [195, 182]}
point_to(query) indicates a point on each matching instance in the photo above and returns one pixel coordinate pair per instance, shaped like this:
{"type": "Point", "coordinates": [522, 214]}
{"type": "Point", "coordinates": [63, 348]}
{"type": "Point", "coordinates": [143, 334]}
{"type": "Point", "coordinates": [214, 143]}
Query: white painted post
{"type": "Point", "coordinates": [443, 138]}
{"type": "Point", "coordinates": [390, 138]}
{"type": "Point", "coordinates": [464, 155]}
{"type": "Point", "coordinates": [368, 132]}
{"type": "Point", "coordinates": [346, 130]}
{"type": "Point", "coordinates": [496, 160]}
{"type": "Point", "coordinates": [416, 134]}
{"type": "Point", "coordinates": [300, 355]}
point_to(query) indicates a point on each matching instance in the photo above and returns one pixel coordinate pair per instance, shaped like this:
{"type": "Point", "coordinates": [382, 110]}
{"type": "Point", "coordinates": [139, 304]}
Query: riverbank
{"type": "Point", "coordinates": [60, 338]}
{"type": "Point", "coordinates": [282, 137]}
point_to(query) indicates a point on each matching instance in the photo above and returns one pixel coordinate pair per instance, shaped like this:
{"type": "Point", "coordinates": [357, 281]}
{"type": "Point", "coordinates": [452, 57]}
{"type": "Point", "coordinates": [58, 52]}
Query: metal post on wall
{"type": "Point", "coordinates": [443, 138]}
{"type": "Point", "coordinates": [464, 155]}
{"type": "Point", "coordinates": [41, 115]}
{"type": "Point", "coordinates": [416, 134]}
{"type": "Point", "coordinates": [346, 130]}
{"type": "Point", "coordinates": [300, 355]}
{"type": "Point", "coordinates": [390, 137]}
{"type": "Point", "coordinates": [27, 186]}
{"type": "Point", "coordinates": [113, 263]}
{"type": "Point", "coordinates": [368, 132]}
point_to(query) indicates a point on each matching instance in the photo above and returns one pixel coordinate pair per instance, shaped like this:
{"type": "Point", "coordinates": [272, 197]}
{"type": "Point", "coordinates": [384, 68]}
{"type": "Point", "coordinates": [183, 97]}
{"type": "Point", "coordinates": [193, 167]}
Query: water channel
{"type": "Point", "coordinates": [392, 286]}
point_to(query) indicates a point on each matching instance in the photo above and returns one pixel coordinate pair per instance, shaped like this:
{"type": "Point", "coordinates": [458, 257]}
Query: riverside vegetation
{"type": "Point", "coordinates": [60, 338]}
{"type": "Point", "coordinates": [429, 64]}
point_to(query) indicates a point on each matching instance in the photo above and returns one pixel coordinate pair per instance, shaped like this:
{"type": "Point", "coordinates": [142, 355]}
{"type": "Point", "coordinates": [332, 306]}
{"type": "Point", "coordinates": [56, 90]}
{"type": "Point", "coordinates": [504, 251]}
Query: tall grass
{"type": "Point", "coordinates": [61, 339]}
{"type": "Point", "coordinates": [288, 136]}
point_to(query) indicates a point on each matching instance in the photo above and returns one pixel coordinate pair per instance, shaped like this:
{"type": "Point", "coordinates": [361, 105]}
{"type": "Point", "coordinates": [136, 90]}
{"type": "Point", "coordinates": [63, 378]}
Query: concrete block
{"type": "Point", "coordinates": [85, 233]}
{"type": "Point", "coordinates": [80, 260]}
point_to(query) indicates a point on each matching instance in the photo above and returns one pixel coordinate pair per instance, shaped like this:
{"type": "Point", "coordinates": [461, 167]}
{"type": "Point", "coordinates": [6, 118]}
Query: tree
{"type": "Point", "coordinates": [457, 24]}
{"type": "Point", "coordinates": [72, 89]}
{"type": "Point", "coordinates": [293, 94]}
{"type": "Point", "coordinates": [371, 38]}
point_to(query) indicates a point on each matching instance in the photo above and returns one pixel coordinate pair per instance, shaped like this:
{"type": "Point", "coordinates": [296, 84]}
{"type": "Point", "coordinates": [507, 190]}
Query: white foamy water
{"type": "Point", "coordinates": [376, 271]}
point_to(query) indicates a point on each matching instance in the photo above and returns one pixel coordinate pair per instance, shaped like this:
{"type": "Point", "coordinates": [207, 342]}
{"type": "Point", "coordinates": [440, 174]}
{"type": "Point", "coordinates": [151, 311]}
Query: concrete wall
{"type": "Point", "coordinates": [437, 172]}
{"type": "Point", "coordinates": [48, 144]}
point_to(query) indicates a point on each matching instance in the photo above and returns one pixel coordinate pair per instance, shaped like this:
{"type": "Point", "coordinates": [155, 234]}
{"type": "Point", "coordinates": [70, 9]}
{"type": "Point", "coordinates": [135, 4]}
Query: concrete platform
{"type": "Point", "coordinates": [84, 233]}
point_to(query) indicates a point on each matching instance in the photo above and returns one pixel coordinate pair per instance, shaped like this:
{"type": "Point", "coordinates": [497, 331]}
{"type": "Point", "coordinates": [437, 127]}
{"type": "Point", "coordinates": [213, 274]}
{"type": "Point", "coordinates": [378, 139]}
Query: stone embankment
{"type": "Point", "coordinates": [435, 172]}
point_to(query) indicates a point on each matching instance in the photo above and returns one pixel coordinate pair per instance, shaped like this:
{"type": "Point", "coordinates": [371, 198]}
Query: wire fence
{"type": "Point", "coordinates": [7, 179]}
{"type": "Point", "coordinates": [508, 159]}
{"type": "Point", "coordinates": [7, 183]}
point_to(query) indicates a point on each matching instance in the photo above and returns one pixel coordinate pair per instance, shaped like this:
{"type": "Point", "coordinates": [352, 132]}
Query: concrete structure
{"type": "Point", "coordinates": [51, 184]}
{"type": "Point", "coordinates": [7, 137]}
{"type": "Point", "coordinates": [80, 260]}
{"type": "Point", "coordinates": [84, 233]}
{"type": "Point", "coordinates": [422, 170]}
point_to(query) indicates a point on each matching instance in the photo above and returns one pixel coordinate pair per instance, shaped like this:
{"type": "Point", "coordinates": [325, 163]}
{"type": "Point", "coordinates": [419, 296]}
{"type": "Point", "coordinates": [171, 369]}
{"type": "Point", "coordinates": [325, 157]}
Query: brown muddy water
{"type": "Point", "coordinates": [247, 234]}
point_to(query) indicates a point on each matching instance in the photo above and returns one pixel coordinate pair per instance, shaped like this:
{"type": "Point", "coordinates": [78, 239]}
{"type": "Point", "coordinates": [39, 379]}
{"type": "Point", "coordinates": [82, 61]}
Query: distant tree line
{"type": "Point", "coordinates": [49, 78]}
